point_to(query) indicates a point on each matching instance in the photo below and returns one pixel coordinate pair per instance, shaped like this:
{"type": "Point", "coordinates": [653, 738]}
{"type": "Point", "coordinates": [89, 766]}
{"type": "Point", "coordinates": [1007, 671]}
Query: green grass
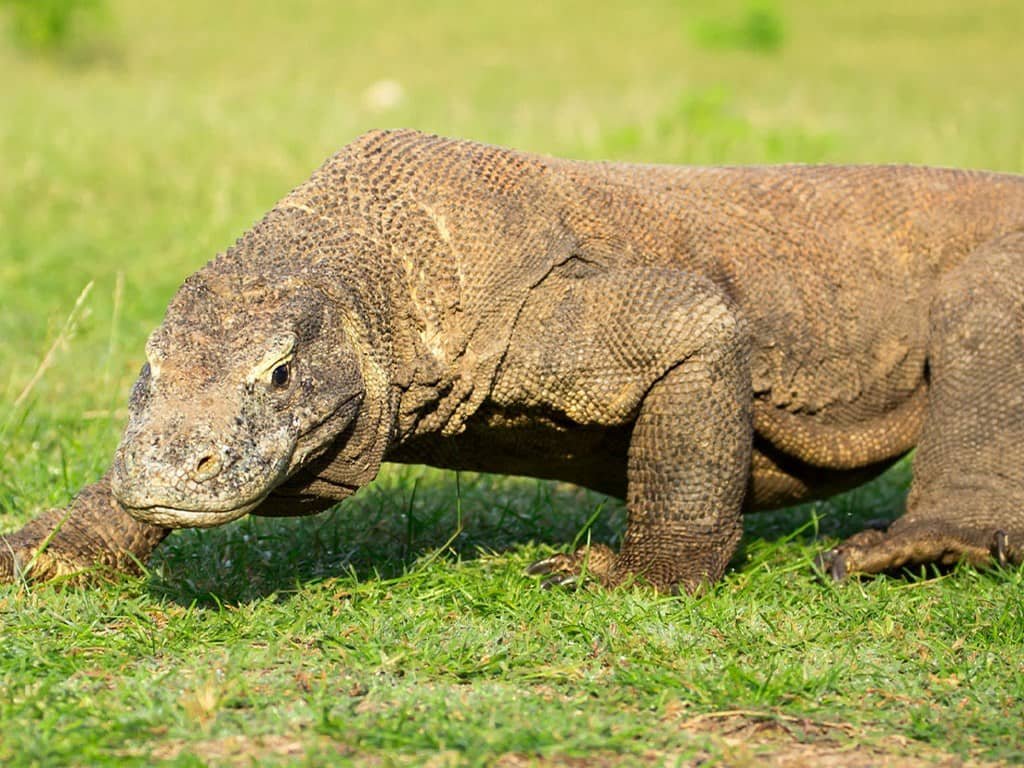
{"type": "Point", "coordinates": [400, 629]}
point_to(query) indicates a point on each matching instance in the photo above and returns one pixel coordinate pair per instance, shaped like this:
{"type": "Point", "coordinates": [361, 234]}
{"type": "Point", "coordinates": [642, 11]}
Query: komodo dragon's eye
{"type": "Point", "coordinates": [279, 377]}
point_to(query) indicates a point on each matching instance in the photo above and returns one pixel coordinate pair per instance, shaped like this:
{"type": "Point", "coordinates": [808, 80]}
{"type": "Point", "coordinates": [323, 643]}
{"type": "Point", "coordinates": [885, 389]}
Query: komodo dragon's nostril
{"type": "Point", "coordinates": [208, 466]}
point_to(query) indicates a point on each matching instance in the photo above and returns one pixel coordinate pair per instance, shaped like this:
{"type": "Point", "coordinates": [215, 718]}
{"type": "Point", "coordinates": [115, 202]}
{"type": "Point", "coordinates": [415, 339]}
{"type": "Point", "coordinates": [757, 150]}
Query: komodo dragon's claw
{"type": "Point", "coordinates": [559, 570]}
{"type": "Point", "coordinates": [569, 581]}
{"type": "Point", "coordinates": [836, 561]}
{"type": "Point", "coordinates": [1000, 547]}
{"type": "Point", "coordinates": [830, 563]}
{"type": "Point", "coordinates": [571, 571]}
{"type": "Point", "coordinates": [833, 561]}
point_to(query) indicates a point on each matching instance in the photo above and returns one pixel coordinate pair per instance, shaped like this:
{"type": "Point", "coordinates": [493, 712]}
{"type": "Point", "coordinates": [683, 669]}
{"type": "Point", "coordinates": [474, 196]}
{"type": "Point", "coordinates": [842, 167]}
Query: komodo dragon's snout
{"type": "Point", "coordinates": [224, 410]}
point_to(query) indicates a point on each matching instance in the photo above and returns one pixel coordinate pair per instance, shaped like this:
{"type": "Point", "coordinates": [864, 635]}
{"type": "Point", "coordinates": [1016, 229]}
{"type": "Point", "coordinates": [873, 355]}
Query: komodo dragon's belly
{"type": "Point", "coordinates": [531, 444]}
{"type": "Point", "coordinates": [544, 446]}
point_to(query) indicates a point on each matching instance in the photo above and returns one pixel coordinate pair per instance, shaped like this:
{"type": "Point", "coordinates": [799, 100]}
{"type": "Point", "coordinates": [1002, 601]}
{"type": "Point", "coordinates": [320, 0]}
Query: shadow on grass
{"type": "Point", "coordinates": [412, 513]}
{"type": "Point", "coordinates": [408, 514]}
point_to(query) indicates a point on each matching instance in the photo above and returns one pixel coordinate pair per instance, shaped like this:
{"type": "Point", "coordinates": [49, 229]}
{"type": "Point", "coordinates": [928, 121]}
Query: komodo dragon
{"type": "Point", "coordinates": [699, 341]}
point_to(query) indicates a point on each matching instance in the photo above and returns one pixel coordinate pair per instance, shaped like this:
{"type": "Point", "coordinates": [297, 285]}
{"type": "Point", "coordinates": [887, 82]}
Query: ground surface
{"type": "Point", "coordinates": [399, 629]}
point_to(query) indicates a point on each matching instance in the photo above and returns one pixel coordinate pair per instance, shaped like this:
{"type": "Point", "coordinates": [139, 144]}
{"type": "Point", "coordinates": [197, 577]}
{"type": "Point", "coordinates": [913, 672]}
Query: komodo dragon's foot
{"type": "Point", "coordinates": [594, 563]}
{"type": "Point", "coordinates": [599, 564]}
{"type": "Point", "coordinates": [914, 544]}
{"type": "Point", "coordinates": [93, 533]}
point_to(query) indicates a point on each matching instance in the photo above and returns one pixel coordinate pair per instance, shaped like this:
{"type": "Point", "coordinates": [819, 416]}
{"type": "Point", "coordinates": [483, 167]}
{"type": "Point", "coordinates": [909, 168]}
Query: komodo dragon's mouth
{"type": "Point", "coordinates": [177, 517]}
{"type": "Point", "coordinates": [175, 500]}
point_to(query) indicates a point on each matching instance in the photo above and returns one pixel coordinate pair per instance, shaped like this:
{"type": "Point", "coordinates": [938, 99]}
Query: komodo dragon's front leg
{"type": "Point", "coordinates": [94, 531]}
{"type": "Point", "coordinates": [665, 352]}
{"type": "Point", "coordinates": [967, 498]}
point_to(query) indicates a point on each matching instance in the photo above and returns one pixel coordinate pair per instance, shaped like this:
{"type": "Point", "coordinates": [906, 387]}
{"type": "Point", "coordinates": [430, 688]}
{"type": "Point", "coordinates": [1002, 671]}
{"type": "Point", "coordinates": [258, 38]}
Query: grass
{"type": "Point", "coordinates": [151, 141]}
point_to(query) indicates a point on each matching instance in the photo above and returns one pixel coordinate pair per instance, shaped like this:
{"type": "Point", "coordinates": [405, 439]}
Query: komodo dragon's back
{"type": "Point", "coordinates": [700, 341]}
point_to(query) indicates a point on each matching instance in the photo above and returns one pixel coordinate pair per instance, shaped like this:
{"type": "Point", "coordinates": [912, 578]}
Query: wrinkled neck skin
{"type": "Point", "coordinates": [269, 380]}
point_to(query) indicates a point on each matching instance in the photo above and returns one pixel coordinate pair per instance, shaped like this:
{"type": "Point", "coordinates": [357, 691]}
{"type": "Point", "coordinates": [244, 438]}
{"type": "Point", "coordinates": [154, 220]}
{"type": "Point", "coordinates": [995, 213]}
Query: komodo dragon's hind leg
{"type": "Point", "coordinates": [967, 498]}
{"type": "Point", "coordinates": [94, 531]}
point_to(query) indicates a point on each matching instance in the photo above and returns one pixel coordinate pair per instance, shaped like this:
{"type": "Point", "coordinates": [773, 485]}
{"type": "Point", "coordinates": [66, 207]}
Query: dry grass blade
{"type": "Point", "coordinates": [66, 332]}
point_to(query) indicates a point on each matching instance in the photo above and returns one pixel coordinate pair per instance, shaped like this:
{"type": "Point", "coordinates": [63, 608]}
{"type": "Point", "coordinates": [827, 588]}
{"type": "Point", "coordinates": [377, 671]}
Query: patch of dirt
{"type": "Point", "coordinates": [750, 740]}
{"type": "Point", "coordinates": [739, 739]}
{"type": "Point", "coordinates": [758, 739]}
{"type": "Point", "coordinates": [239, 750]}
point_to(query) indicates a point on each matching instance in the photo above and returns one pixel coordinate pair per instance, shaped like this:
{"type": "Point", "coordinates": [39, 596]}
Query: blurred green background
{"type": "Point", "coordinates": [138, 139]}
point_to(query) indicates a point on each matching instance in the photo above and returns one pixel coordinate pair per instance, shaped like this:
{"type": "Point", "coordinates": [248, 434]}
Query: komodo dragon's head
{"type": "Point", "coordinates": [249, 378]}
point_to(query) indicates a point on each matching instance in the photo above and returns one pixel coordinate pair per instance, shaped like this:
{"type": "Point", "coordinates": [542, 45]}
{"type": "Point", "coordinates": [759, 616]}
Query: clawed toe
{"type": "Point", "coordinates": [557, 563]}
{"type": "Point", "coordinates": [1000, 548]}
{"type": "Point", "coordinates": [833, 563]}
{"type": "Point", "coordinates": [572, 571]}
{"type": "Point", "coordinates": [562, 570]}
{"type": "Point", "coordinates": [568, 581]}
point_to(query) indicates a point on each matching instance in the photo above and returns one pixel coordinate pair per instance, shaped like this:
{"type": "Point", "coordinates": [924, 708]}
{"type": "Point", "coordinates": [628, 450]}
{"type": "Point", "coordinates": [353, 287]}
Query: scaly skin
{"type": "Point", "coordinates": [94, 533]}
{"type": "Point", "coordinates": [699, 341]}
